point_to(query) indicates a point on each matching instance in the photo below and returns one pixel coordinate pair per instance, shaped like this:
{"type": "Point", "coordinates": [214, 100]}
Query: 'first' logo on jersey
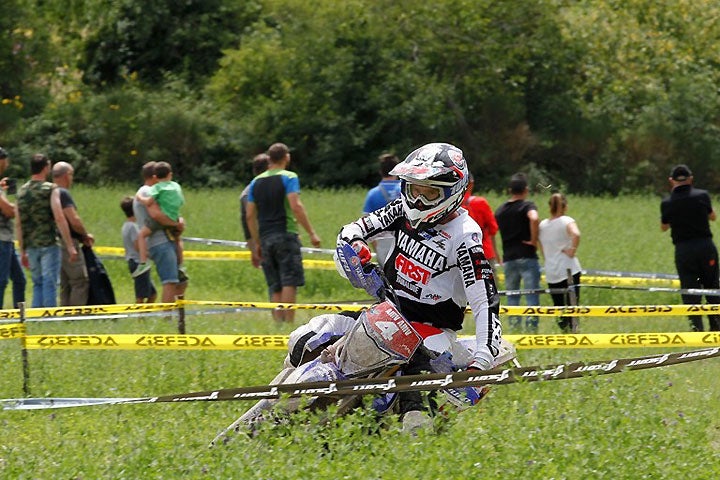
{"type": "Point", "coordinates": [412, 271]}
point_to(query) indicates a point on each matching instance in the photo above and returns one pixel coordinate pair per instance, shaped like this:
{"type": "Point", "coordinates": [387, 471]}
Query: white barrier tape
{"type": "Point", "coordinates": [233, 243]}
{"type": "Point", "coordinates": [439, 381]}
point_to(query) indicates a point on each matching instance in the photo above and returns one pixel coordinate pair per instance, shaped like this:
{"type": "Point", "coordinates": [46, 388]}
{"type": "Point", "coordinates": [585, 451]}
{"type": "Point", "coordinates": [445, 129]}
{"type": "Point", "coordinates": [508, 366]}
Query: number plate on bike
{"type": "Point", "coordinates": [386, 325]}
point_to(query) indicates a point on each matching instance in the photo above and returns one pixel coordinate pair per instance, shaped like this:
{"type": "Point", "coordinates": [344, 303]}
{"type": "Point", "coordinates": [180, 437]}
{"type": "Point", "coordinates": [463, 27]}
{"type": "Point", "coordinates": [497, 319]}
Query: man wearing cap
{"type": "Point", "coordinates": [273, 211]}
{"type": "Point", "coordinates": [518, 222]}
{"type": "Point", "coordinates": [10, 268]}
{"type": "Point", "coordinates": [687, 211]}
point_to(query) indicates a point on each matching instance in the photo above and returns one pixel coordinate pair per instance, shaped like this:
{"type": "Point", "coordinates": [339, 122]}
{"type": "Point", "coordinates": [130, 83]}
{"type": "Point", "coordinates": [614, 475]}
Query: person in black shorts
{"type": "Point", "coordinates": [687, 212]}
{"type": "Point", "coordinates": [273, 212]}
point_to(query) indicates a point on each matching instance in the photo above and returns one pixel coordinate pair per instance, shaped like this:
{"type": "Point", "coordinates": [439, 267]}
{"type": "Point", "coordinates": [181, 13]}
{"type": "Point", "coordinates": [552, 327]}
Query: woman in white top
{"type": "Point", "coordinates": [559, 238]}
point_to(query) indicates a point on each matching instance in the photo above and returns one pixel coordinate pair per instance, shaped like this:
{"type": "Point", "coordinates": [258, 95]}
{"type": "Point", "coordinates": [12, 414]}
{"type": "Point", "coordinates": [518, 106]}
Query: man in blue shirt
{"type": "Point", "coordinates": [385, 192]}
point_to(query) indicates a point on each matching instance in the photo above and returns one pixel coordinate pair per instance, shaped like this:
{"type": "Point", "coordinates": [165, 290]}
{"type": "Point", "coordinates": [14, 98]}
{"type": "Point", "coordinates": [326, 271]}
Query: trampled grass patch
{"type": "Point", "coordinates": [657, 423]}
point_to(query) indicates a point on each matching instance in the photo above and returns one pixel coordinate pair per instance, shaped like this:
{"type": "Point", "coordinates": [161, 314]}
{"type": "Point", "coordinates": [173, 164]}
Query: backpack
{"type": "Point", "coordinates": [101, 290]}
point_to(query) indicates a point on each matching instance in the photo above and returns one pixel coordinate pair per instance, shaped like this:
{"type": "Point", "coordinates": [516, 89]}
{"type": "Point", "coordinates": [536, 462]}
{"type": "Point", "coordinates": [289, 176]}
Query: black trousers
{"type": "Point", "coordinates": [697, 266]}
{"type": "Point", "coordinates": [419, 363]}
{"type": "Point", "coordinates": [561, 299]}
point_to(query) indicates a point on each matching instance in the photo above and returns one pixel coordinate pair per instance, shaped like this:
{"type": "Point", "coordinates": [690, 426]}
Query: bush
{"type": "Point", "coordinates": [108, 136]}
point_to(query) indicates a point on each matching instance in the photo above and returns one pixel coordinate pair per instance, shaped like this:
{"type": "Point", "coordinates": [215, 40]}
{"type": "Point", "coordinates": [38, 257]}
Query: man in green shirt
{"type": "Point", "coordinates": [39, 218]}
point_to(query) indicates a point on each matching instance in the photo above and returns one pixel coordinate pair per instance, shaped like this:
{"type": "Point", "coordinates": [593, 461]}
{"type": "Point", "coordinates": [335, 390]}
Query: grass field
{"type": "Point", "coordinates": [657, 423]}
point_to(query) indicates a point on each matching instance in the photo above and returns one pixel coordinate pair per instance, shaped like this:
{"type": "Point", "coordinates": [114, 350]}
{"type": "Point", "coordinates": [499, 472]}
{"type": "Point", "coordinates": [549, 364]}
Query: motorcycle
{"type": "Point", "coordinates": [378, 343]}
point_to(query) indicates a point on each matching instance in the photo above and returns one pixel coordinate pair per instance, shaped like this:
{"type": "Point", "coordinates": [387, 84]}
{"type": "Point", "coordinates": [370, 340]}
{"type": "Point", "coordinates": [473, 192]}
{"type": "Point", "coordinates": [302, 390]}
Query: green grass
{"type": "Point", "coordinates": [657, 423]}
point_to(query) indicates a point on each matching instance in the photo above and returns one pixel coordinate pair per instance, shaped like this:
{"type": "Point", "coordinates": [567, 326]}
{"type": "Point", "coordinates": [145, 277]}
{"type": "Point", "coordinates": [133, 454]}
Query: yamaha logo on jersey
{"type": "Point", "coordinates": [471, 263]}
{"type": "Point", "coordinates": [386, 215]}
{"type": "Point", "coordinates": [422, 253]}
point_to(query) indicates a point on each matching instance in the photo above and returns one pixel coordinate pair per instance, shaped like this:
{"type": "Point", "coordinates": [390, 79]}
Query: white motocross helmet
{"type": "Point", "coordinates": [434, 178]}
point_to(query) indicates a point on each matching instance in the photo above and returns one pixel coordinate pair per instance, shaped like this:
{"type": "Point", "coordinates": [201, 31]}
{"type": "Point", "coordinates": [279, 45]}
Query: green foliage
{"type": "Point", "coordinates": [647, 72]}
{"type": "Point", "coordinates": [108, 136]}
{"type": "Point", "coordinates": [25, 58]}
{"type": "Point", "coordinates": [153, 38]}
{"type": "Point", "coordinates": [343, 87]}
{"type": "Point", "coordinates": [595, 95]}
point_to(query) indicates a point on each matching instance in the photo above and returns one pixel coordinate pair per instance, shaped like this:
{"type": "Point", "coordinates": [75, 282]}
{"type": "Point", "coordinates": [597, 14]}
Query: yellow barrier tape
{"type": "Point", "coordinates": [157, 342]}
{"type": "Point", "coordinates": [569, 311]}
{"type": "Point", "coordinates": [616, 340]}
{"type": "Point", "coordinates": [194, 254]}
{"type": "Point", "coordinates": [330, 265]}
{"type": "Point", "coordinates": [51, 312]}
{"type": "Point", "coordinates": [621, 281]}
{"type": "Point", "coordinates": [109, 251]}
{"type": "Point", "coordinates": [12, 330]}
{"type": "Point", "coordinates": [279, 342]}
{"type": "Point", "coordinates": [613, 310]}
{"type": "Point", "coordinates": [219, 255]}
{"type": "Point", "coordinates": [631, 281]}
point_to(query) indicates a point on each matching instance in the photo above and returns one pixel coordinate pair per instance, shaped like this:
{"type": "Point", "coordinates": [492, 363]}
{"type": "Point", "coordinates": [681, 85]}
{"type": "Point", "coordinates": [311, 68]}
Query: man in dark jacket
{"type": "Point", "coordinates": [688, 211]}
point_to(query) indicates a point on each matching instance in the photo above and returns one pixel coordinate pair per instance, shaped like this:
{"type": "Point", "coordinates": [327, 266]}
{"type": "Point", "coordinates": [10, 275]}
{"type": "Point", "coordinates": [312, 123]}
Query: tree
{"type": "Point", "coordinates": [155, 38]}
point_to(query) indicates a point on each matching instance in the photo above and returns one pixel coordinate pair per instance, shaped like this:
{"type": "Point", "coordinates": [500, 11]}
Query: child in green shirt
{"type": "Point", "coordinates": [169, 197]}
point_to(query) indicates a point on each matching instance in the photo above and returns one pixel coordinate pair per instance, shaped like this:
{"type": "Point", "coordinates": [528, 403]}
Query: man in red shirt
{"type": "Point", "coordinates": [480, 211]}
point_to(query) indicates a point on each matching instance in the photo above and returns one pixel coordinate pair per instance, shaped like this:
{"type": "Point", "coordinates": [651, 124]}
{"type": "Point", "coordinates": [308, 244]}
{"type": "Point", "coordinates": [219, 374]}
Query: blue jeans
{"type": "Point", "coordinates": [10, 269]}
{"type": "Point", "coordinates": [45, 274]}
{"type": "Point", "coordinates": [165, 257]}
{"type": "Point", "coordinates": [527, 270]}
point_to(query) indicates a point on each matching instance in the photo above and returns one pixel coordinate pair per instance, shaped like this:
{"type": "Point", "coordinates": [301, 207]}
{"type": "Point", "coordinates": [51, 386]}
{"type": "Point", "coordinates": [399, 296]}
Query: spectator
{"type": "Point", "coordinates": [559, 237]}
{"type": "Point", "coordinates": [518, 222]}
{"type": "Point", "coordinates": [273, 211]}
{"type": "Point", "coordinates": [688, 211]}
{"type": "Point", "coordinates": [74, 283]}
{"type": "Point", "coordinates": [145, 291]}
{"type": "Point", "coordinates": [480, 211]}
{"type": "Point", "coordinates": [39, 217]}
{"type": "Point", "coordinates": [169, 197]}
{"type": "Point", "coordinates": [383, 193]}
{"type": "Point", "coordinates": [161, 249]}
{"type": "Point", "coordinates": [259, 165]}
{"type": "Point", "coordinates": [10, 268]}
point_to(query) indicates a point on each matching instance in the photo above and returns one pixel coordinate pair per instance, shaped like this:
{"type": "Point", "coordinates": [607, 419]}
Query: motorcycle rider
{"type": "Point", "coordinates": [436, 267]}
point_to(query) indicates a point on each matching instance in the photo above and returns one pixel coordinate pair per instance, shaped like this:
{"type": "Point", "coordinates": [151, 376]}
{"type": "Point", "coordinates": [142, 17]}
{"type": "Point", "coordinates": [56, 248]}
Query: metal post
{"type": "Point", "coordinates": [181, 315]}
{"type": "Point", "coordinates": [572, 297]}
{"type": "Point", "coordinates": [24, 352]}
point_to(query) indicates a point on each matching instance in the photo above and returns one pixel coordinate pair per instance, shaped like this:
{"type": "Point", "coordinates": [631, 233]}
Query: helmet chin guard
{"type": "Point", "coordinates": [438, 166]}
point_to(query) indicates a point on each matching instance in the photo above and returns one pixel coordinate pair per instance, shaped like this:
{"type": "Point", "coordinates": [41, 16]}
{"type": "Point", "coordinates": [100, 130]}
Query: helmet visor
{"type": "Point", "coordinates": [423, 195]}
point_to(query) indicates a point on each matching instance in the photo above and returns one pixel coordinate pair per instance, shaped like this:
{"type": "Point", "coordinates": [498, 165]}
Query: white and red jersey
{"type": "Point", "coordinates": [437, 272]}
